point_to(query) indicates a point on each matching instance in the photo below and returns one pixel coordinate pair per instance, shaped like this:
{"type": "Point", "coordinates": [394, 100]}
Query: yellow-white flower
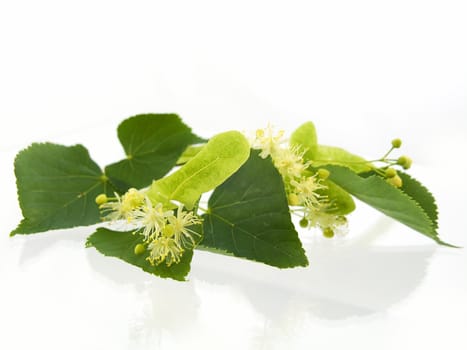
{"type": "Point", "coordinates": [164, 249]}
{"type": "Point", "coordinates": [122, 207]}
{"type": "Point", "coordinates": [289, 162]}
{"type": "Point", "coordinates": [151, 218]}
{"type": "Point", "coordinates": [183, 235]}
{"type": "Point", "coordinates": [267, 141]}
{"type": "Point", "coordinates": [166, 235]}
{"type": "Point", "coordinates": [306, 190]}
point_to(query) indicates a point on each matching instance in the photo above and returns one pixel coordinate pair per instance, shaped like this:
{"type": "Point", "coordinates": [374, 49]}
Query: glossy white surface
{"type": "Point", "coordinates": [365, 72]}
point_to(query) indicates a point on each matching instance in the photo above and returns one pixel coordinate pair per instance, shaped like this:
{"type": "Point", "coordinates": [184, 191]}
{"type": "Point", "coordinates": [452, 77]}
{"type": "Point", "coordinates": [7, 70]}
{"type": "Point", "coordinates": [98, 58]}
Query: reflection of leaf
{"type": "Point", "coordinates": [211, 166]}
{"type": "Point", "coordinates": [249, 216]}
{"type": "Point", "coordinates": [390, 200]}
{"type": "Point", "coordinates": [345, 280]}
{"type": "Point", "coordinates": [57, 186]}
{"type": "Point", "coordinates": [152, 143]}
{"type": "Point", "coordinates": [121, 245]}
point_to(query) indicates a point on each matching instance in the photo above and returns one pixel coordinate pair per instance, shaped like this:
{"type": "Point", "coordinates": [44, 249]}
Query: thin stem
{"type": "Point", "coordinates": [388, 152]}
{"type": "Point", "coordinates": [380, 172]}
{"type": "Point", "coordinates": [347, 162]}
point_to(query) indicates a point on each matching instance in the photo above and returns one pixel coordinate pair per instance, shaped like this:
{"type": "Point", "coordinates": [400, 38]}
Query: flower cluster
{"type": "Point", "coordinates": [304, 187]}
{"type": "Point", "coordinates": [387, 171]}
{"type": "Point", "coordinates": [166, 233]}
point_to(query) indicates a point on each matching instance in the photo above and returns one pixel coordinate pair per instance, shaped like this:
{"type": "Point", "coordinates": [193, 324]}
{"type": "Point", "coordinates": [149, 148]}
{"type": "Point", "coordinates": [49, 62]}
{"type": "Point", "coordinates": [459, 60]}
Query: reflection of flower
{"type": "Point", "coordinates": [166, 236]}
{"type": "Point", "coordinates": [330, 224]}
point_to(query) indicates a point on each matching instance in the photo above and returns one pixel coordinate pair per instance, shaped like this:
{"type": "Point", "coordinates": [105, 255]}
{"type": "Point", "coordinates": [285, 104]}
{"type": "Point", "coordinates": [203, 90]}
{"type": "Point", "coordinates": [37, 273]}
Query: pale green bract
{"type": "Point", "coordinates": [189, 153]}
{"type": "Point", "coordinates": [222, 156]}
{"type": "Point", "coordinates": [306, 139]}
{"type": "Point", "coordinates": [329, 155]}
{"type": "Point", "coordinates": [340, 201]}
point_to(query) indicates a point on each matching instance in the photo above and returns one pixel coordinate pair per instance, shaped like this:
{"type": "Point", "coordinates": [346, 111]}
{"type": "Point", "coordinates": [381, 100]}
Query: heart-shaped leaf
{"type": "Point", "coordinates": [57, 186]}
{"type": "Point", "coordinates": [249, 217]}
{"type": "Point", "coordinates": [153, 143]}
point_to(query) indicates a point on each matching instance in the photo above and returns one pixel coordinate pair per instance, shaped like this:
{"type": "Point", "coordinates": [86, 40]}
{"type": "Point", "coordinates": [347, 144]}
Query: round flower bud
{"type": "Point", "coordinates": [323, 174]}
{"type": "Point", "coordinates": [405, 162]}
{"type": "Point", "coordinates": [328, 232]}
{"type": "Point", "coordinates": [101, 199]}
{"type": "Point", "coordinates": [293, 199]}
{"type": "Point", "coordinates": [408, 163]}
{"type": "Point", "coordinates": [396, 181]}
{"type": "Point", "coordinates": [304, 223]}
{"type": "Point", "coordinates": [139, 249]}
{"type": "Point", "coordinates": [390, 172]}
{"type": "Point", "coordinates": [396, 143]}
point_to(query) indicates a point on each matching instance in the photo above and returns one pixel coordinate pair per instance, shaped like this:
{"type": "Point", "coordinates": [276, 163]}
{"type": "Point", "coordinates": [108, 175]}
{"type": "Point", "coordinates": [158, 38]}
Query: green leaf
{"type": "Point", "coordinates": [386, 198]}
{"type": "Point", "coordinates": [329, 155]}
{"type": "Point", "coordinates": [421, 195]}
{"type": "Point", "coordinates": [122, 244]}
{"type": "Point", "coordinates": [152, 143]}
{"type": "Point", "coordinates": [305, 138]}
{"type": "Point", "coordinates": [57, 186]}
{"type": "Point", "coordinates": [211, 166]}
{"type": "Point", "coordinates": [249, 217]}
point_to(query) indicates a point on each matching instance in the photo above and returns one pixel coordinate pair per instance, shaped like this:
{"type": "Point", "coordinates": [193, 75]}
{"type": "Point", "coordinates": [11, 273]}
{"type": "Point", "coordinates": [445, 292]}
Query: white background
{"type": "Point", "coordinates": [363, 71]}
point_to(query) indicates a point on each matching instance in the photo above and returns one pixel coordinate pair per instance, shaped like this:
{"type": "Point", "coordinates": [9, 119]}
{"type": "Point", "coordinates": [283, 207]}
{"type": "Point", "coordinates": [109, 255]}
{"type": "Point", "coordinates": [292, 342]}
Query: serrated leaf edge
{"type": "Point", "coordinates": [25, 219]}
{"type": "Point", "coordinates": [433, 235]}
{"type": "Point", "coordinates": [435, 221]}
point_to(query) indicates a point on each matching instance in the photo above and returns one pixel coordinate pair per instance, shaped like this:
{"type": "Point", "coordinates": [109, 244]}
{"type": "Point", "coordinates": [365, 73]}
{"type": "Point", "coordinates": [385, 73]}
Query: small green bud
{"type": "Point", "coordinates": [293, 199]}
{"type": "Point", "coordinates": [328, 232]}
{"type": "Point", "coordinates": [405, 162]}
{"type": "Point", "coordinates": [323, 174]}
{"type": "Point", "coordinates": [101, 199]}
{"type": "Point", "coordinates": [390, 172]}
{"type": "Point", "coordinates": [304, 223]}
{"type": "Point", "coordinates": [408, 163]}
{"type": "Point", "coordinates": [140, 249]}
{"type": "Point", "coordinates": [396, 181]}
{"type": "Point", "coordinates": [396, 143]}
